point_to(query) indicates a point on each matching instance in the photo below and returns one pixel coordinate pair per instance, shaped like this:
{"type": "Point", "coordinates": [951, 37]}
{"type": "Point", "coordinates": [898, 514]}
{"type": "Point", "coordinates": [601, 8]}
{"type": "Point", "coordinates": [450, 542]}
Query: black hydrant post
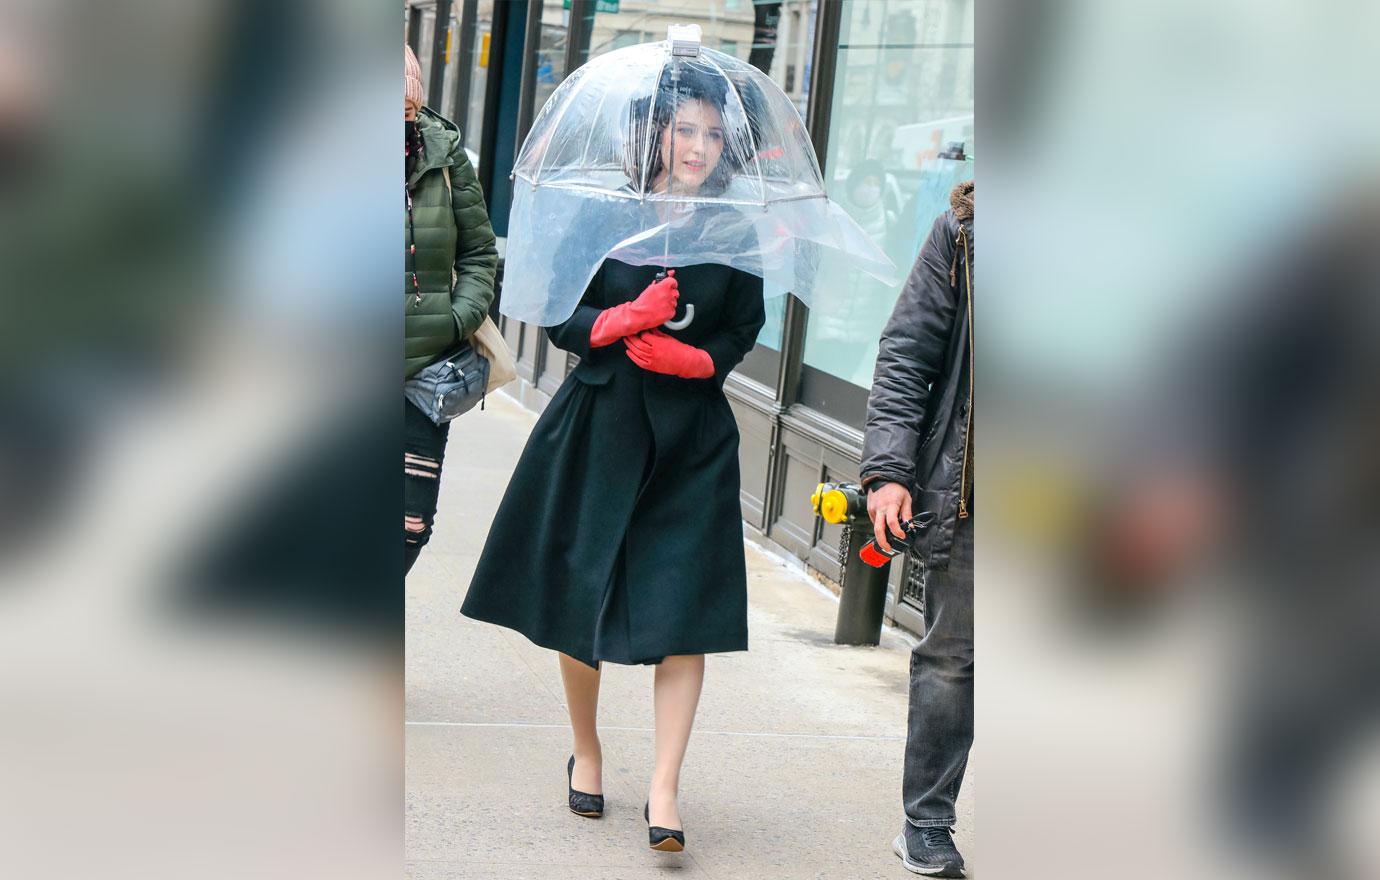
{"type": "Point", "coordinates": [863, 600]}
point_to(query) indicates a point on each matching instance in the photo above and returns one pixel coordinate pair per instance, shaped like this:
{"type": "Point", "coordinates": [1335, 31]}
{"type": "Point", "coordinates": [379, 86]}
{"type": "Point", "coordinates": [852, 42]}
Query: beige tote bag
{"type": "Point", "coordinates": [488, 340]}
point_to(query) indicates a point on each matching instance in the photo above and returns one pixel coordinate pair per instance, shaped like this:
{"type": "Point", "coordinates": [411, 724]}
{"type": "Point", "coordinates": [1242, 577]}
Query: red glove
{"type": "Point", "coordinates": [653, 307]}
{"type": "Point", "coordinates": [659, 353]}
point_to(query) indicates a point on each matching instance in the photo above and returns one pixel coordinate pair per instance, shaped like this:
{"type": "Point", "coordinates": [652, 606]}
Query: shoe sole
{"type": "Point", "coordinates": [898, 847]}
{"type": "Point", "coordinates": [670, 844]}
{"type": "Point", "coordinates": [588, 815]}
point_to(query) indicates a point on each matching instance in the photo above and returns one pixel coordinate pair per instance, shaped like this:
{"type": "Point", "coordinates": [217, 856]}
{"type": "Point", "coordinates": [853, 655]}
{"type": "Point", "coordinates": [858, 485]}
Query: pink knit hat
{"type": "Point", "coordinates": [412, 79]}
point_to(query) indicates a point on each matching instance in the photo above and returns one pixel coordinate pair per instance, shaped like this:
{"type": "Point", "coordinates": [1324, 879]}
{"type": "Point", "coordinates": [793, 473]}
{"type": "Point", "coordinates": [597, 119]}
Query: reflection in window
{"type": "Point", "coordinates": [551, 49]}
{"type": "Point", "coordinates": [462, 98]}
{"type": "Point", "coordinates": [900, 137]}
{"type": "Point", "coordinates": [472, 129]}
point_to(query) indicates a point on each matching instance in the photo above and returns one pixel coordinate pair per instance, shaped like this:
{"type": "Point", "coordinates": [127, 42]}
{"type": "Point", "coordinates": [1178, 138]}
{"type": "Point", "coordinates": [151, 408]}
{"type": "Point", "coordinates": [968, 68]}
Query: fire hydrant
{"type": "Point", "coordinates": [863, 600]}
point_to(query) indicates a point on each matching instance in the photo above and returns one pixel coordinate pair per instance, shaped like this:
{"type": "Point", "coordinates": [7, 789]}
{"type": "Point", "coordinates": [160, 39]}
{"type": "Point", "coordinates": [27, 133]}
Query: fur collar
{"type": "Point", "coordinates": [961, 200]}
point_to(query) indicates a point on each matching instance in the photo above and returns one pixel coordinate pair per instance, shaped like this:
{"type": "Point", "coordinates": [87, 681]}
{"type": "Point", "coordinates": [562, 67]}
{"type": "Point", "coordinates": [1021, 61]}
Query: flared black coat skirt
{"type": "Point", "coordinates": [620, 535]}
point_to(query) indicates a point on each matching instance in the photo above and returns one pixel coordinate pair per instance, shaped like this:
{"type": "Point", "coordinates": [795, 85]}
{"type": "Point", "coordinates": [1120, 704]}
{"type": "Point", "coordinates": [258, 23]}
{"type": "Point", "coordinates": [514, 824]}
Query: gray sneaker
{"type": "Point", "coordinates": [928, 851]}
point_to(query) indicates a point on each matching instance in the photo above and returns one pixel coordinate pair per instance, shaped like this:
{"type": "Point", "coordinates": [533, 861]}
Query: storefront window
{"type": "Point", "coordinates": [466, 110]}
{"type": "Point", "coordinates": [472, 127]}
{"type": "Point", "coordinates": [551, 51]}
{"type": "Point", "coordinates": [451, 58]}
{"type": "Point", "coordinates": [900, 137]}
{"type": "Point", "coordinates": [761, 33]}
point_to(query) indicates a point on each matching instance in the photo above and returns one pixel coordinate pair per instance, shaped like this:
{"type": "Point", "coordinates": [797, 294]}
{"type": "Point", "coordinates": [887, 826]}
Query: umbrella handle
{"type": "Point", "coordinates": [682, 323]}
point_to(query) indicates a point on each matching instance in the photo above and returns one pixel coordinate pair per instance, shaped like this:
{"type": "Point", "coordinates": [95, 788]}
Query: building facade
{"type": "Point", "coordinates": [886, 90]}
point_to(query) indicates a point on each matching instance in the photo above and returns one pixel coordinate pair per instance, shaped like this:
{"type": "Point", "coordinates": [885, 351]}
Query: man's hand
{"type": "Point", "coordinates": [888, 506]}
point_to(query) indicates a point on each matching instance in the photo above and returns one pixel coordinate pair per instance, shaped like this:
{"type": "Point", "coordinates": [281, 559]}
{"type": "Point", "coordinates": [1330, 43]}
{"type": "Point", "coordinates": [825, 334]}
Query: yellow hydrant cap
{"type": "Point", "coordinates": [833, 506]}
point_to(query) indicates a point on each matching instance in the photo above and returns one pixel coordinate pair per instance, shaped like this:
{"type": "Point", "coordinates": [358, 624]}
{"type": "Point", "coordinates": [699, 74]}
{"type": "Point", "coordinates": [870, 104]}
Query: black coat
{"type": "Point", "coordinates": [620, 537]}
{"type": "Point", "coordinates": [919, 414]}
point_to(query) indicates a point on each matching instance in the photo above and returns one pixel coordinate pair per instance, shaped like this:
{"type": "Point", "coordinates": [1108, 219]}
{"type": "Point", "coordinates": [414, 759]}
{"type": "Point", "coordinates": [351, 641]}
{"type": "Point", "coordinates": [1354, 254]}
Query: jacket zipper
{"type": "Point", "coordinates": [968, 435]}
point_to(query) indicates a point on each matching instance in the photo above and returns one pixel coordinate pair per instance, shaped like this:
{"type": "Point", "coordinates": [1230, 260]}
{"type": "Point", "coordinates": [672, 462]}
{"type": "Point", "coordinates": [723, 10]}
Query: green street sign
{"type": "Point", "coordinates": [599, 5]}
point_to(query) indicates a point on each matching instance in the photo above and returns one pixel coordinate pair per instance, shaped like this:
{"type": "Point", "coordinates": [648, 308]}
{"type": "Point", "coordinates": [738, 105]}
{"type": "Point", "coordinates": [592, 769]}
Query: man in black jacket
{"type": "Point", "coordinates": [918, 458]}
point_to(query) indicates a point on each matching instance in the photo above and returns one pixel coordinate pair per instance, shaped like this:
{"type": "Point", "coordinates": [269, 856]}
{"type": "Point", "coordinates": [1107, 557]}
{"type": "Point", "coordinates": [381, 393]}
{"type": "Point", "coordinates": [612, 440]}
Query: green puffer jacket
{"type": "Point", "coordinates": [452, 232]}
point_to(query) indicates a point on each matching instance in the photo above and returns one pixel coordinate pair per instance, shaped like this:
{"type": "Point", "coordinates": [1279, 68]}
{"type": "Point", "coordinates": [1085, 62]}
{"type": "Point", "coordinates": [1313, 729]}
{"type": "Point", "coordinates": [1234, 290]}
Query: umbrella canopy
{"type": "Point", "coordinates": [670, 154]}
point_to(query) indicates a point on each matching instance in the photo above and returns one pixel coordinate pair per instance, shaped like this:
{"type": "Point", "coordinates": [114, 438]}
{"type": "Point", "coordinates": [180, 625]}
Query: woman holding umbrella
{"type": "Point", "coordinates": [620, 538]}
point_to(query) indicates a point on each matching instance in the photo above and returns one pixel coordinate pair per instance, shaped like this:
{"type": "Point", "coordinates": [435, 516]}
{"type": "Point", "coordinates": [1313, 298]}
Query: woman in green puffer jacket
{"type": "Point", "coordinates": [448, 283]}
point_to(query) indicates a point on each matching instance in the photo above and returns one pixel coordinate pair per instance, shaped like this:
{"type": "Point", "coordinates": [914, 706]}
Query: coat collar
{"type": "Point", "coordinates": [436, 143]}
{"type": "Point", "coordinates": [961, 200]}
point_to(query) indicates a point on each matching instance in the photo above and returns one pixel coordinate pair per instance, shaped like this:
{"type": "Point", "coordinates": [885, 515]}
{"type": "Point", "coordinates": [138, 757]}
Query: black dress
{"type": "Point", "coordinates": [620, 535]}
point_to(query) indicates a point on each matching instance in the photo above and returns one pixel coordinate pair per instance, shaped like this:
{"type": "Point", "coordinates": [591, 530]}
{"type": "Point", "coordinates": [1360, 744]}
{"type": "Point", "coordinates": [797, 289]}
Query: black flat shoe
{"type": "Point", "coordinates": [662, 839]}
{"type": "Point", "coordinates": [581, 804]}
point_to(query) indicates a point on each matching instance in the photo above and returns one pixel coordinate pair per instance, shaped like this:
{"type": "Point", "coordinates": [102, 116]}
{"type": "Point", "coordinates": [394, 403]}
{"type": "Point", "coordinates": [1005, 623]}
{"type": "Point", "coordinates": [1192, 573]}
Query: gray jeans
{"type": "Point", "coordinates": [940, 725]}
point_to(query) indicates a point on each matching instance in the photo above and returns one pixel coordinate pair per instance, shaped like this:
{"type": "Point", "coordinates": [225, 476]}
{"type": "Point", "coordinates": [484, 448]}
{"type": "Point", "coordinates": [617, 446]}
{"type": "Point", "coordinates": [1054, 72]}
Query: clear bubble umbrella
{"type": "Point", "coordinates": [670, 154]}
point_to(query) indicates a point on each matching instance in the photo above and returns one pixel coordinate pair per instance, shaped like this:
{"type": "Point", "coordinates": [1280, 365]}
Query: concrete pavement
{"type": "Point", "coordinates": [794, 769]}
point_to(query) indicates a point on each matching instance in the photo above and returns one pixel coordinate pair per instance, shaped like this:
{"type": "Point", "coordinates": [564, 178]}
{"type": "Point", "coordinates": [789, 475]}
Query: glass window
{"type": "Point", "coordinates": [465, 111]}
{"type": "Point", "coordinates": [555, 36]}
{"type": "Point", "coordinates": [760, 33]}
{"type": "Point", "coordinates": [472, 128]}
{"type": "Point", "coordinates": [451, 60]}
{"type": "Point", "coordinates": [900, 137]}
{"type": "Point", "coordinates": [726, 25]}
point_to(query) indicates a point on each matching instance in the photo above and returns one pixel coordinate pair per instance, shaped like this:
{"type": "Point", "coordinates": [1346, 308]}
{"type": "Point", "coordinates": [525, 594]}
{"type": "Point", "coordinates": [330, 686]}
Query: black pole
{"type": "Point", "coordinates": [766, 14]}
{"type": "Point", "coordinates": [414, 29]}
{"type": "Point", "coordinates": [828, 26]}
{"type": "Point", "coordinates": [826, 52]}
{"type": "Point", "coordinates": [436, 88]}
{"type": "Point", "coordinates": [863, 589]}
{"type": "Point", "coordinates": [578, 34]}
{"type": "Point", "coordinates": [530, 44]}
{"type": "Point", "coordinates": [464, 71]}
{"type": "Point", "coordinates": [488, 141]}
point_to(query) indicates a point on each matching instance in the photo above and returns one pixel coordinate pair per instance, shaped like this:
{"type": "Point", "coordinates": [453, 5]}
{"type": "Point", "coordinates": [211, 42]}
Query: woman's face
{"type": "Point", "coordinates": [699, 138]}
{"type": "Point", "coordinates": [409, 111]}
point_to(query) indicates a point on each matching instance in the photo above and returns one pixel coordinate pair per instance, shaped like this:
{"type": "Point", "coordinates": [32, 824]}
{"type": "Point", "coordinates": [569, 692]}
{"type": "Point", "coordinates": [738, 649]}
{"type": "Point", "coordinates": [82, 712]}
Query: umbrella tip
{"type": "Point", "coordinates": [684, 39]}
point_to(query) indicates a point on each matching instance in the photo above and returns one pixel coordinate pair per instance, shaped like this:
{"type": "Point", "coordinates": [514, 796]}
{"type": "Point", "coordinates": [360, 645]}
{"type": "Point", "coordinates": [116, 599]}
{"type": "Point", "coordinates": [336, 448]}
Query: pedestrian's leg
{"type": "Point", "coordinates": [424, 449]}
{"type": "Point", "coordinates": [940, 729]}
{"type": "Point", "coordinates": [582, 700]}
{"type": "Point", "coordinates": [677, 695]}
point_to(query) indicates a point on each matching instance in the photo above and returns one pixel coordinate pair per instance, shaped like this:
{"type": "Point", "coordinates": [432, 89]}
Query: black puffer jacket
{"type": "Point", "coordinates": [919, 415]}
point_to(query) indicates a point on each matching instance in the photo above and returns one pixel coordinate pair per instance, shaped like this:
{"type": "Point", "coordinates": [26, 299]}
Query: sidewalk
{"type": "Point", "coordinates": [794, 769]}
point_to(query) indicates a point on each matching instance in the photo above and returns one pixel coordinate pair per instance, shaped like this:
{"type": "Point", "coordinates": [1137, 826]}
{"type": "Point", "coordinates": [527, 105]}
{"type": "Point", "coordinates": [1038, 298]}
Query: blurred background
{"type": "Point", "coordinates": [200, 592]}
{"type": "Point", "coordinates": [200, 600]}
{"type": "Point", "coordinates": [1177, 609]}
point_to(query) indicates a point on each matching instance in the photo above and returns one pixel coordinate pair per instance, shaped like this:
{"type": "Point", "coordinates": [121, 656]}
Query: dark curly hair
{"type": "Point", "coordinates": [697, 82]}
